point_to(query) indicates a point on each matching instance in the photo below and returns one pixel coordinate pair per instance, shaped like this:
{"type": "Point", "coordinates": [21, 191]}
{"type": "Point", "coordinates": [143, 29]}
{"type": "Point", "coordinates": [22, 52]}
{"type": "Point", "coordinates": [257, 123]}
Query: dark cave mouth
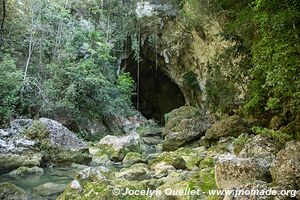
{"type": "Point", "coordinates": [158, 94]}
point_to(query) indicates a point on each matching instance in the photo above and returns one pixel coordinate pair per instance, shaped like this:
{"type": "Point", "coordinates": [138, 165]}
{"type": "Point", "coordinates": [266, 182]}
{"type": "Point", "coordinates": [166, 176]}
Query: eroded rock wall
{"type": "Point", "coordinates": [185, 52]}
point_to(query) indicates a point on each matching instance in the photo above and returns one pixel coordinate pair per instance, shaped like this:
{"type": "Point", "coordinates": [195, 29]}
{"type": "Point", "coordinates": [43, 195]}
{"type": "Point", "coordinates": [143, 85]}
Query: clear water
{"type": "Point", "coordinates": [60, 175]}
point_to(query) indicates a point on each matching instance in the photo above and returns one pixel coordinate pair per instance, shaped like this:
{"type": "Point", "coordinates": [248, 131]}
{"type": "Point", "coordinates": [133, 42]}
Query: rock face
{"type": "Point", "coordinates": [286, 169]}
{"type": "Point", "coordinates": [27, 143]}
{"type": "Point", "coordinates": [182, 126]}
{"type": "Point", "coordinates": [187, 51]}
{"type": "Point", "coordinates": [232, 171]}
{"type": "Point", "coordinates": [230, 126]}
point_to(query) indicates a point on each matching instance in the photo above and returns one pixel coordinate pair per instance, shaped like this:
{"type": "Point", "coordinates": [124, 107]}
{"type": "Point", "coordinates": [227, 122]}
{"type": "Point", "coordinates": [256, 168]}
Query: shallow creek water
{"type": "Point", "coordinates": [56, 175]}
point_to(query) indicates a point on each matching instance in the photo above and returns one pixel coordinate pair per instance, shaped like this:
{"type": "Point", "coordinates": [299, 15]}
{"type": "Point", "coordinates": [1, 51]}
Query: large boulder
{"type": "Point", "coordinates": [286, 169]}
{"type": "Point", "coordinates": [259, 147]}
{"type": "Point", "coordinates": [117, 147]}
{"type": "Point", "coordinates": [184, 125]}
{"type": "Point", "coordinates": [15, 144]}
{"type": "Point", "coordinates": [10, 191]}
{"type": "Point", "coordinates": [19, 125]}
{"type": "Point", "coordinates": [28, 143]}
{"type": "Point", "coordinates": [233, 172]}
{"type": "Point", "coordinates": [170, 158]}
{"type": "Point", "coordinates": [58, 144]}
{"type": "Point", "coordinates": [230, 126]}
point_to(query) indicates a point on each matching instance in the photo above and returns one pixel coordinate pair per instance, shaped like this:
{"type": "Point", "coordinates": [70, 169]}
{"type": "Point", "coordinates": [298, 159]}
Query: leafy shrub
{"type": "Point", "coordinates": [220, 90]}
{"type": "Point", "coordinates": [10, 84]}
{"type": "Point", "coordinates": [125, 85]}
{"type": "Point", "coordinates": [279, 137]}
{"type": "Point", "coordinates": [239, 143]}
{"type": "Point", "coordinates": [190, 79]}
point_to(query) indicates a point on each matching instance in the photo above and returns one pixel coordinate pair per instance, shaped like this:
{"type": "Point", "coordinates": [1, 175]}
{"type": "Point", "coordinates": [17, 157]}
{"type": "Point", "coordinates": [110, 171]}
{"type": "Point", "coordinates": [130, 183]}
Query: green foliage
{"type": "Point", "coordinates": [279, 137]}
{"type": "Point", "coordinates": [239, 143]}
{"type": "Point", "coordinates": [268, 32]}
{"type": "Point", "coordinates": [190, 79]}
{"type": "Point", "coordinates": [220, 90]}
{"type": "Point", "coordinates": [207, 162]}
{"type": "Point", "coordinates": [275, 55]}
{"type": "Point", "coordinates": [82, 89]}
{"type": "Point", "coordinates": [125, 84]}
{"type": "Point", "coordinates": [10, 84]}
{"type": "Point", "coordinates": [273, 104]}
{"type": "Point", "coordinates": [71, 68]}
{"type": "Point", "coordinates": [190, 12]}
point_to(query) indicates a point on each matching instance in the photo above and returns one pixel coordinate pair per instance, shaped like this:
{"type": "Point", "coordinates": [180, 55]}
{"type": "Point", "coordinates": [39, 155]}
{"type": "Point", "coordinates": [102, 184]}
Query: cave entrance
{"type": "Point", "coordinates": [158, 94]}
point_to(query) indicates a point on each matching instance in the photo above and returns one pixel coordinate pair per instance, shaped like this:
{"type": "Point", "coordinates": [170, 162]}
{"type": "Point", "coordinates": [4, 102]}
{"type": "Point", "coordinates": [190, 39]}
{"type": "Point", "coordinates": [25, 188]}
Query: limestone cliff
{"type": "Point", "coordinates": [183, 50]}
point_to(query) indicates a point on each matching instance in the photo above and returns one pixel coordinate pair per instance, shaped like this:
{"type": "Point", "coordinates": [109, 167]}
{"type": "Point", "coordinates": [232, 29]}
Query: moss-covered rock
{"type": "Point", "coordinates": [167, 194]}
{"type": "Point", "coordinates": [10, 161]}
{"type": "Point", "coordinates": [162, 169]}
{"type": "Point", "coordinates": [239, 143]}
{"type": "Point", "coordinates": [101, 158]}
{"type": "Point", "coordinates": [48, 189]}
{"type": "Point", "coordinates": [132, 158]}
{"type": "Point", "coordinates": [205, 181]}
{"type": "Point", "coordinates": [37, 131]}
{"type": "Point", "coordinates": [9, 191]}
{"type": "Point", "coordinates": [192, 156]}
{"type": "Point", "coordinates": [117, 147]}
{"type": "Point", "coordinates": [25, 171]}
{"type": "Point", "coordinates": [232, 171]}
{"type": "Point", "coordinates": [105, 189]}
{"type": "Point", "coordinates": [57, 143]}
{"type": "Point", "coordinates": [230, 126]}
{"type": "Point", "coordinates": [286, 169]}
{"type": "Point", "coordinates": [207, 162]}
{"type": "Point", "coordinates": [223, 146]}
{"type": "Point", "coordinates": [293, 128]}
{"type": "Point", "coordinates": [136, 172]}
{"type": "Point", "coordinates": [113, 154]}
{"type": "Point", "coordinates": [170, 158]}
{"type": "Point", "coordinates": [182, 126]}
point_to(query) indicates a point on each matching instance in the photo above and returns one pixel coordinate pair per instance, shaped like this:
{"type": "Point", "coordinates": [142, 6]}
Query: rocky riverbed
{"type": "Point", "coordinates": [192, 152]}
